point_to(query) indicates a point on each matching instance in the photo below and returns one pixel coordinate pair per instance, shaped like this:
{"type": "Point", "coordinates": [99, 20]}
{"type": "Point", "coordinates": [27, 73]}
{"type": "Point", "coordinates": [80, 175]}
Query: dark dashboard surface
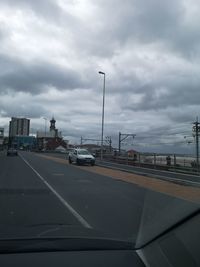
{"type": "Point", "coordinates": [73, 258]}
{"type": "Point", "coordinates": [179, 247]}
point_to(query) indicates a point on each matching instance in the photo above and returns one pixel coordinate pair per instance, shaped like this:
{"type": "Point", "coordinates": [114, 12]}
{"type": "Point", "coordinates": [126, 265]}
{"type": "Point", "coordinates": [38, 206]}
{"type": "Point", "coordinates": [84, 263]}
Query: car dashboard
{"type": "Point", "coordinates": [179, 247]}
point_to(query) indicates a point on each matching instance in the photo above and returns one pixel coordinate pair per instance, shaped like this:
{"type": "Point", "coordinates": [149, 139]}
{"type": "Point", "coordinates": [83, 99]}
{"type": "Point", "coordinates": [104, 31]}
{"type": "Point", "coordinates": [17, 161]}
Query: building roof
{"type": "Point", "coordinates": [132, 151]}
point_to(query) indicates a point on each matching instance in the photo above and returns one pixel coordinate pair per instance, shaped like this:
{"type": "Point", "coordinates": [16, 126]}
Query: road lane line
{"type": "Point", "coordinates": [64, 202]}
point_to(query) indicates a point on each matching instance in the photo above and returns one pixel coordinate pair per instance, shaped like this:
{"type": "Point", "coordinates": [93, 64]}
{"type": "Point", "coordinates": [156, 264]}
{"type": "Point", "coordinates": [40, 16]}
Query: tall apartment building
{"type": "Point", "coordinates": [19, 126]}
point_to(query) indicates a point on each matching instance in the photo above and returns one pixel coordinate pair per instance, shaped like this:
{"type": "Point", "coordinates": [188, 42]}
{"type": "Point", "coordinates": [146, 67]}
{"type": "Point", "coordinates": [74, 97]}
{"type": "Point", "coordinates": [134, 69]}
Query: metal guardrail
{"type": "Point", "coordinates": [181, 178]}
{"type": "Point", "coordinates": [176, 163]}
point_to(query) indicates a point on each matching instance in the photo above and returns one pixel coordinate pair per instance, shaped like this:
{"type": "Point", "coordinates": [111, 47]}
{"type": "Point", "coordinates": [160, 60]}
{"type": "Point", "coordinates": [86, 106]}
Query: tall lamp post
{"type": "Point", "coordinates": [45, 126]}
{"type": "Point", "coordinates": [102, 126]}
{"type": "Point", "coordinates": [45, 132]}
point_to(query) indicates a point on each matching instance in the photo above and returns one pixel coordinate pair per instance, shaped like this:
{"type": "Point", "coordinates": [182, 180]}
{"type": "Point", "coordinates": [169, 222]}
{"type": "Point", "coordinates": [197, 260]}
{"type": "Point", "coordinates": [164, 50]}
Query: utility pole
{"type": "Point", "coordinates": [196, 130]}
{"type": "Point", "coordinates": [102, 126]}
{"type": "Point", "coordinates": [108, 140]}
{"type": "Point", "coordinates": [120, 143]}
{"type": "Point", "coordinates": [45, 131]}
{"type": "Point", "coordinates": [122, 137]}
{"type": "Point", "coordinates": [110, 143]}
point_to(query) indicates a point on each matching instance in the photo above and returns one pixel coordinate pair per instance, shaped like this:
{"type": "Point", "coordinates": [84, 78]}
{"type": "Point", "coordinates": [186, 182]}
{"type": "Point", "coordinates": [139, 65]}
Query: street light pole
{"type": "Point", "coordinates": [45, 126]}
{"type": "Point", "coordinates": [45, 131]}
{"type": "Point", "coordinates": [102, 126]}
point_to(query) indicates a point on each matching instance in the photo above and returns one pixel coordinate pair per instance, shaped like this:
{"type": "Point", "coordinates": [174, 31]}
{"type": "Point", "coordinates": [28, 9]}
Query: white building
{"type": "Point", "coordinates": [52, 133]}
{"type": "Point", "coordinates": [19, 126]}
{"type": "Point", "coordinates": [50, 140]}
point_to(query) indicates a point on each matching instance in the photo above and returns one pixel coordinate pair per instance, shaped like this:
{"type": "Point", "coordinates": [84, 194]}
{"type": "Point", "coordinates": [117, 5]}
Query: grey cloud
{"type": "Point", "coordinates": [134, 21]}
{"type": "Point", "coordinates": [139, 18]}
{"type": "Point", "coordinates": [47, 11]}
{"type": "Point", "coordinates": [169, 129]}
{"type": "Point", "coordinates": [125, 83]}
{"type": "Point", "coordinates": [163, 93]}
{"type": "Point", "coordinates": [156, 19]}
{"type": "Point", "coordinates": [29, 110]}
{"type": "Point", "coordinates": [115, 28]}
{"type": "Point", "coordinates": [183, 115]}
{"type": "Point", "coordinates": [137, 21]}
{"type": "Point", "coordinates": [179, 97]}
{"type": "Point", "coordinates": [77, 133]}
{"type": "Point", "coordinates": [3, 34]}
{"type": "Point", "coordinates": [34, 77]}
{"type": "Point", "coordinates": [44, 8]}
{"type": "Point", "coordinates": [149, 22]}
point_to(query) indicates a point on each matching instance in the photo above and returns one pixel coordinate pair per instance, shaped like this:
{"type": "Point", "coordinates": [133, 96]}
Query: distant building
{"type": "Point", "coordinates": [19, 126]}
{"type": "Point", "coordinates": [92, 148]}
{"type": "Point", "coordinates": [52, 139]}
{"type": "Point", "coordinates": [1, 133]}
{"type": "Point", "coordinates": [24, 142]}
{"type": "Point", "coordinates": [133, 154]}
{"type": "Point", "coordinates": [96, 149]}
{"type": "Point", "coordinates": [52, 133]}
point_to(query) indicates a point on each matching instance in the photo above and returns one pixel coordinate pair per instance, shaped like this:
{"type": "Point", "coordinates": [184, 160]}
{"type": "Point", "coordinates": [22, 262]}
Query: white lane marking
{"type": "Point", "coordinates": [64, 202]}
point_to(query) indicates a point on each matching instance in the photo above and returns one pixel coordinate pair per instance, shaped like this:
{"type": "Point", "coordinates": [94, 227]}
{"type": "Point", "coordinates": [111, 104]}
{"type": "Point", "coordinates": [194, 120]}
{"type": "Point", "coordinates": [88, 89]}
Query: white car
{"type": "Point", "coordinates": [81, 156]}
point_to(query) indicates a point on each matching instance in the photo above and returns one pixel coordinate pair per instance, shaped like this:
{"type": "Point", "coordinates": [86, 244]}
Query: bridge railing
{"type": "Point", "coordinates": [170, 162]}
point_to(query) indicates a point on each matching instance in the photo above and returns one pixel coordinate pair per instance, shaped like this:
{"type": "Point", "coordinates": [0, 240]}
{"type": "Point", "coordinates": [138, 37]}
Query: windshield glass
{"type": "Point", "coordinates": [83, 152]}
{"type": "Point", "coordinates": [118, 81]}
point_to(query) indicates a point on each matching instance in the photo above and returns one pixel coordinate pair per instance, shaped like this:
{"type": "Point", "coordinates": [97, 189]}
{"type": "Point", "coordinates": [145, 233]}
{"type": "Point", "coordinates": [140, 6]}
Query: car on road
{"type": "Point", "coordinates": [12, 152]}
{"type": "Point", "coordinates": [81, 156]}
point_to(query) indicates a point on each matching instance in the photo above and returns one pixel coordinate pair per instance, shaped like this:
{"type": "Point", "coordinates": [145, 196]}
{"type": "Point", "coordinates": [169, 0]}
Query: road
{"type": "Point", "coordinates": [35, 190]}
{"type": "Point", "coordinates": [180, 178]}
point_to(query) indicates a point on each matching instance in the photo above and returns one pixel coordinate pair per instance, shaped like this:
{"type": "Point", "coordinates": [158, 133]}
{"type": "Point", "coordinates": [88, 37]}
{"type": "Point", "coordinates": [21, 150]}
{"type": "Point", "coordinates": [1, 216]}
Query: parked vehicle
{"type": "Point", "coordinates": [12, 152]}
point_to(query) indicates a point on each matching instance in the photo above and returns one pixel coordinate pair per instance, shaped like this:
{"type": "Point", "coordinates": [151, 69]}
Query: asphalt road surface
{"type": "Point", "coordinates": [35, 190]}
{"type": "Point", "coordinates": [180, 178]}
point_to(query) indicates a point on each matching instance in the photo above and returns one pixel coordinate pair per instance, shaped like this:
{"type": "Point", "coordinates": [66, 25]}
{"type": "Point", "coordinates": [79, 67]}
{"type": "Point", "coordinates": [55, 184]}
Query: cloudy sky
{"type": "Point", "coordinates": [51, 52]}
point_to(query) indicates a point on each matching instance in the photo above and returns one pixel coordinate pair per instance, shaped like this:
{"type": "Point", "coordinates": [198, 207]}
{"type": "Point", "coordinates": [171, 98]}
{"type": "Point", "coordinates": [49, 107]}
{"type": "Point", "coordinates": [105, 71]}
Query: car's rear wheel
{"type": "Point", "coordinates": [92, 163]}
{"type": "Point", "coordinates": [70, 161]}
